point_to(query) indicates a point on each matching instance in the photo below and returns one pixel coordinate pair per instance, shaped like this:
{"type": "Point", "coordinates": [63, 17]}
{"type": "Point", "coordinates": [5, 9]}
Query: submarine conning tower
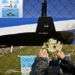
{"type": "Point", "coordinates": [44, 8]}
{"type": "Point", "coordinates": [45, 27]}
{"type": "Point", "coordinates": [45, 23]}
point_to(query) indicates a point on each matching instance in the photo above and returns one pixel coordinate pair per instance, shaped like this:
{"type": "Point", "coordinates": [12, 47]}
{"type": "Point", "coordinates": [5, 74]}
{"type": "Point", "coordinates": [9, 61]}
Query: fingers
{"type": "Point", "coordinates": [43, 53]}
{"type": "Point", "coordinates": [60, 55]}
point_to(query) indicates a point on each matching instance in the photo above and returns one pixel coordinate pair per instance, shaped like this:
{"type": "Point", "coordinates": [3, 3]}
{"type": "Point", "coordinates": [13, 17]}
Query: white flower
{"type": "Point", "coordinates": [52, 46]}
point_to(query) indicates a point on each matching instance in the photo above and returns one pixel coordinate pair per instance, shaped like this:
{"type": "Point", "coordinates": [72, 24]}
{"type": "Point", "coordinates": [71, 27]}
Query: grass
{"type": "Point", "coordinates": [11, 61]}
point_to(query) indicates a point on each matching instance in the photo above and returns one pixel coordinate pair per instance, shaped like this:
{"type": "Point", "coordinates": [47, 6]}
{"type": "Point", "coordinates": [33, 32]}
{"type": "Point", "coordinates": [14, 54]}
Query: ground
{"type": "Point", "coordinates": [10, 62]}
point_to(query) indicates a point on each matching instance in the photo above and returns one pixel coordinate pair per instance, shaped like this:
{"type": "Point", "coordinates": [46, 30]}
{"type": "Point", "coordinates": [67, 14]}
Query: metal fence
{"type": "Point", "coordinates": [58, 9]}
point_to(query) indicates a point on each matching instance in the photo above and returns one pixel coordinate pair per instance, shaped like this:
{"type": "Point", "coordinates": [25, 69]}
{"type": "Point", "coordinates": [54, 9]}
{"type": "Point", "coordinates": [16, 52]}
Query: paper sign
{"type": "Point", "coordinates": [11, 8]}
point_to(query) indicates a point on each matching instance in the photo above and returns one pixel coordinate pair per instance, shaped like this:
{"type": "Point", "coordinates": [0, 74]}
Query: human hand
{"type": "Point", "coordinates": [60, 55]}
{"type": "Point", "coordinates": [43, 54]}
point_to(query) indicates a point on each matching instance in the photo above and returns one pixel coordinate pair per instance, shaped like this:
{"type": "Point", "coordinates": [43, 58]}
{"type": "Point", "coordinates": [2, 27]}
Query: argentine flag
{"type": "Point", "coordinates": [26, 63]}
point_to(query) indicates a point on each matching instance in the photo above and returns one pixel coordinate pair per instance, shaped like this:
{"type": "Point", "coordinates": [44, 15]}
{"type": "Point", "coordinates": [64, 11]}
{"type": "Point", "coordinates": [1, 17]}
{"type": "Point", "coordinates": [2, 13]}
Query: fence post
{"type": "Point", "coordinates": [11, 49]}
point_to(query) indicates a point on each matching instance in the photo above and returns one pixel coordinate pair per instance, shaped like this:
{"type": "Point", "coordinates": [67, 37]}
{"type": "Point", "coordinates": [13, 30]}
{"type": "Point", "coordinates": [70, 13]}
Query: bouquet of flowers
{"type": "Point", "coordinates": [52, 46]}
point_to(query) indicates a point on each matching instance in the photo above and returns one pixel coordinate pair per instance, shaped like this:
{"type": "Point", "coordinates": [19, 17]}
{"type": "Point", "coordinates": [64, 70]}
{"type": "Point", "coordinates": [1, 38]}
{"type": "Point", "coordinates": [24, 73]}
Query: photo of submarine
{"type": "Point", "coordinates": [37, 33]}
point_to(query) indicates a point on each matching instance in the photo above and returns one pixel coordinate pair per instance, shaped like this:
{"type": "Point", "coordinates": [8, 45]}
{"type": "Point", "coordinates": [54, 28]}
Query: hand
{"type": "Point", "coordinates": [43, 53]}
{"type": "Point", "coordinates": [60, 55]}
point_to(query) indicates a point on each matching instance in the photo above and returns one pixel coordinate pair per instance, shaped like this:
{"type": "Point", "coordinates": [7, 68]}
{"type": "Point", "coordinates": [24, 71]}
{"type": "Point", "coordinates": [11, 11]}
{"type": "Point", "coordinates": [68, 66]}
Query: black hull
{"type": "Point", "coordinates": [24, 39]}
{"type": "Point", "coordinates": [32, 39]}
{"type": "Point", "coordinates": [44, 31]}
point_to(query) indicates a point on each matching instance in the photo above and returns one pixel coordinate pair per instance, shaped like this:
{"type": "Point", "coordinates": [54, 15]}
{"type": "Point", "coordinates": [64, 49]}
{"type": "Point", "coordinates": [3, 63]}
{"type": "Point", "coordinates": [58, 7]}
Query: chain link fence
{"type": "Point", "coordinates": [58, 9]}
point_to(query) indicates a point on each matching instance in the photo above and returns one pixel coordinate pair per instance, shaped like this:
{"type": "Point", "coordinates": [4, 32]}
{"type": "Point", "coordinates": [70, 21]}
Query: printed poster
{"type": "Point", "coordinates": [11, 8]}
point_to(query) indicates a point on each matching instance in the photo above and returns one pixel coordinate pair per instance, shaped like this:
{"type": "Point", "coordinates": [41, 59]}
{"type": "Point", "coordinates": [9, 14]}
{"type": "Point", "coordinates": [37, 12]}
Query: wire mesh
{"type": "Point", "coordinates": [58, 9]}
